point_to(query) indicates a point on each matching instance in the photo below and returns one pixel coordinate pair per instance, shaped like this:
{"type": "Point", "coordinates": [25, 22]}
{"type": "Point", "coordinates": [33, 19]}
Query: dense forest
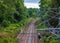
{"type": "Point", "coordinates": [13, 16]}
{"type": "Point", "coordinates": [45, 6]}
{"type": "Point", "coordinates": [45, 13]}
{"type": "Point", "coordinates": [11, 11]}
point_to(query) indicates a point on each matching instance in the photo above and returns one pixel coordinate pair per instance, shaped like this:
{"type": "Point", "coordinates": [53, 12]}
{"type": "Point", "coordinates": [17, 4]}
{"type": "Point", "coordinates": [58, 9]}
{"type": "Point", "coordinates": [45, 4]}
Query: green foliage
{"type": "Point", "coordinates": [5, 23]}
{"type": "Point", "coordinates": [12, 11]}
{"type": "Point", "coordinates": [32, 12]}
{"type": "Point", "coordinates": [13, 16]}
{"type": "Point", "coordinates": [8, 34]}
{"type": "Point", "coordinates": [48, 14]}
{"type": "Point", "coordinates": [54, 41]}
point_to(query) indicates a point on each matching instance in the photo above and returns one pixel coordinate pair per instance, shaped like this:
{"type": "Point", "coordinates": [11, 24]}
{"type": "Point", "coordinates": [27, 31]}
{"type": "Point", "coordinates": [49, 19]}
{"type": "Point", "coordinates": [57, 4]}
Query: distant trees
{"type": "Point", "coordinates": [32, 12]}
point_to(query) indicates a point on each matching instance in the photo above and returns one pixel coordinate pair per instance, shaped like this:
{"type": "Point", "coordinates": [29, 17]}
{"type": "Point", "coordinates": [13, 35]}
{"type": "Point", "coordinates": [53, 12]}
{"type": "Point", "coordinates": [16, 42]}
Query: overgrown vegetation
{"type": "Point", "coordinates": [13, 16]}
{"type": "Point", "coordinates": [11, 12]}
{"type": "Point", "coordinates": [45, 5]}
{"type": "Point", "coordinates": [9, 34]}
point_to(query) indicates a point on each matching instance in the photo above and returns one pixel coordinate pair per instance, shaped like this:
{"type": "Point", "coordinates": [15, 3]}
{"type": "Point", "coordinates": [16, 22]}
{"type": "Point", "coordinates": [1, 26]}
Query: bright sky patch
{"type": "Point", "coordinates": [31, 5]}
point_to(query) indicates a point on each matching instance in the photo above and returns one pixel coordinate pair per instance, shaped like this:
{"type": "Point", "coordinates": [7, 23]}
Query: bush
{"type": "Point", "coordinates": [5, 23]}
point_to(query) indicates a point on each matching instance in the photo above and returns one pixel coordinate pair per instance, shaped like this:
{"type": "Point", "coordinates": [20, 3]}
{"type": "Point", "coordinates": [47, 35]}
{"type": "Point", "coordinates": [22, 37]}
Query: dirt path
{"type": "Point", "coordinates": [30, 36]}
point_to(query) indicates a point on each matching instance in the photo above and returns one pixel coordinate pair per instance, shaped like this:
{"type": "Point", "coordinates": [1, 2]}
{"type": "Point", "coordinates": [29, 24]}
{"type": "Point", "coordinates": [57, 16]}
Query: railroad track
{"type": "Point", "coordinates": [30, 36]}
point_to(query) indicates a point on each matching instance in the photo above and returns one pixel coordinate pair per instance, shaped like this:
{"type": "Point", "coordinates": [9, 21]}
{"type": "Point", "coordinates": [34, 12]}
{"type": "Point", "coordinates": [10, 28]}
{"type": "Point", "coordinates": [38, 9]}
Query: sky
{"type": "Point", "coordinates": [31, 3]}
